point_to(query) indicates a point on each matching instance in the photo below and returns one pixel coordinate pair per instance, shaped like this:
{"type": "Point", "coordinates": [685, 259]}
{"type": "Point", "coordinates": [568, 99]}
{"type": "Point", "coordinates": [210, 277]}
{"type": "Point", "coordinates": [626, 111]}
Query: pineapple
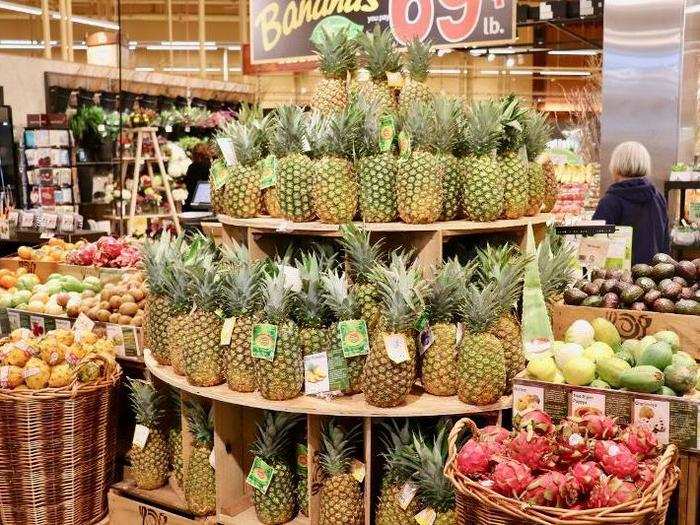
{"type": "Point", "coordinates": [379, 56]}
{"type": "Point", "coordinates": [157, 257]}
{"type": "Point", "coordinates": [149, 465]}
{"type": "Point", "coordinates": [343, 304]}
{"type": "Point", "coordinates": [446, 116]}
{"type": "Point", "coordinates": [414, 88]}
{"type": "Point", "coordinates": [242, 195]}
{"type": "Point", "coordinates": [176, 286]}
{"type": "Point", "coordinates": [295, 170]}
{"type": "Point", "coordinates": [481, 366]}
{"type": "Point", "coordinates": [216, 171]}
{"type": "Point", "coordinates": [557, 273]}
{"type": "Point", "coordinates": [506, 268]}
{"type": "Point", "coordinates": [419, 172]}
{"type": "Point", "coordinates": [311, 312]}
{"type": "Point", "coordinates": [385, 382]}
{"type": "Point", "coordinates": [263, 127]}
{"type": "Point", "coordinates": [396, 441]}
{"type": "Point", "coordinates": [537, 134]}
{"type": "Point", "coordinates": [341, 499]}
{"type": "Point", "coordinates": [241, 293]}
{"type": "Point", "coordinates": [336, 52]}
{"type": "Point", "coordinates": [551, 186]}
{"type": "Point", "coordinates": [426, 462]}
{"type": "Point", "coordinates": [439, 368]}
{"type": "Point", "coordinates": [201, 340]}
{"type": "Point", "coordinates": [273, 445]}
{"type": "Point", "coordinates": [175, 436]}
{"type": "Point", "coordinates": [335, 186]}
{"type": "Point", "coordinates": [302, 470]}
{"type": "Point", "coordinates": [199, 479]}
{"type": "Point", "coordinates": [283, 377]}
{"type": "Point", "coordinates": [363, 257]}
{"type": "Point", "coordinates": [513, 166]}
{"type": "Point", "coordinates": [483, 189]}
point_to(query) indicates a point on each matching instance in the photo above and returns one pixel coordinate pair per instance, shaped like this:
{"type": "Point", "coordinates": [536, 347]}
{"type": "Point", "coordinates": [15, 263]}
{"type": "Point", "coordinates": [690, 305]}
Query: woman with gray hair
{"type": "Point", "coordinates": [633, 201]}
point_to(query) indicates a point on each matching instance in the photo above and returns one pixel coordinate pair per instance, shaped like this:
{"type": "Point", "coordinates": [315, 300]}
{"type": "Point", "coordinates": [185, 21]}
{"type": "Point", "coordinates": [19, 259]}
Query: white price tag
{"type": "Point", "coordinates": [26, 220]}
{"type": "Point", "coordinates": [396, 348]}
{"type": "Point", "coordinates": [62, 324]}
{"type": "Point", "coordinates": [46, 235]}
{"type": "Point", "coordinates": [30, 372]}
{"type": "Point", "coordinates": [285, 227]}
{"type": "Point", "coordinates": [212, 458]}
{"type": "Point", "coordinates": [426, 516]}
{"type": "Point", "coordinates": [36, 324]}
{"type": "Point", "coordinates": [363, 75]}
{"type": "Point", "coordinates": [140, 436]}
{"type": "Point", "coordinates": [227, 331]}
{"type": "Point", "coordinates": [24, 346]}
{"type": "Point", "coordinates": [357, 468]}
{"type": "Point", "coordinates": [67, 222]}
{"type": "Point", "coordinates": [406, 494]}
{"type": "Point", "coordinates": [13, 318]}
{"type": "Point", "coordinates": [168, 129]}
{"type": "Point", "coordinates": [292, 278]}
{"type": "Point", "coordinates": [305, 145]}
{"type": "Point", "coordinates": [459, 333]}
{"type": "Point", "coordinates": [82, 324]}
{"type": "Point", "coordinates": [50, 221]}
{"type": "Point", "coordinates": [226, 147]}
{"type": "Point", "coordinates": [114, 332]}
{"type": "Point", "coordinates": [394, 79]}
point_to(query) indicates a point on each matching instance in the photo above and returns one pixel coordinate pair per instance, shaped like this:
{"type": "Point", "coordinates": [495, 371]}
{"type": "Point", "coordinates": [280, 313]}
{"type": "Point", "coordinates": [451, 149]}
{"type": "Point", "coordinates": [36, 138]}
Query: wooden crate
{"type": "Point", "coordinates": [43, 269]}
{"type": "Point", "coordinates": [152, 507]}
{"type": "Point", "coordinates": [688, 509]}
{"type": "Point", "coordinates": [632, 324]}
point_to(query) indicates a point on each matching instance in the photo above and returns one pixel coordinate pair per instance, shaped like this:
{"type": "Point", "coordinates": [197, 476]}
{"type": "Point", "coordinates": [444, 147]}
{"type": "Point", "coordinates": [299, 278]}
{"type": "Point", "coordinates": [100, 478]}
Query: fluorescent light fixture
{"type": "Point", "coordinates": [510, 50]}
{"type": "Point", "coordinates": [521, 72]}
{"type": "Point", "coordinates": [491, 57]}
{"type": "Point", "coordinates": [80, 47]}
{"type": "Point", "coordinates": [477, 52]}
{"type": "Point", "coordinates": [176, 43]}
{"type": "Point", "coordinates": [510, 62]}
{"type": "Point", "coordinates": [144, 69]}
{"type": "Point", "coordinates": [445, 71]}
{"type": "Point", "coordinates": [235, 69]}
{"type": "Point", "coordinates": [10, 42]}
{"type": "Point", "coordinates": [489, 71]}
{"type": "Point", "coordinates": [692, 9]}
{"type": "Point", "coordinates": [104, 24]}
{"type": "Point", "coordinates": [443, 52]}
{"type": "Point", "coordinates": [159, 47]}
{"type": "Point", "coordinates": [20, 8]}
{"type": "Point", "coordinates": [575, 52]}
{"type": "Point", "coordinates": [565, 73]}
{"type": "Point", "coordinates": [21, 46]}
{"type": "Point", "coordinates": [234, 47]}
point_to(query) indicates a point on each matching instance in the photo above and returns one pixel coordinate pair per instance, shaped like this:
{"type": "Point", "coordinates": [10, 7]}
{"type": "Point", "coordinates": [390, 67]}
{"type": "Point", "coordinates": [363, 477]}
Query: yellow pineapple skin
{"type": "Point", "coordinates": [203, 354]}
{"type": "Point", "coordinates": [439, 368]}
{"type": "Point", "coordinates": [176, 330]}
{"type": "Point", "coordinates": [272, 204]}
{"type": "Point", "coordinates": [377, 192]}
{"type": "Point", "coordinates": [283, 377]}
{"type": "Point", "coordinates": [551, 186]}
{"type": "Point", "coordinates": [389, 511]}
{"type": "Point", "coordinates": [414, 92]}
{"type": "Point", "coordinates": [242, 195]}
{"type": "Point", "coordinates": [335, 190]}
{"type": "Point", "coordinates": [516, 177]}
{"type": "Point", "coordinates": [341, 501]}
{"type": "Point", "coordinates": [384, 382]}
{"type": "Point", "coordinates": [507, 330]}
{"type": "Point", "coordinates": [536, 188]}
{"type": "Point", "coordinates": [240, 365]}
{"type": "Point", "coordinates": [481, 369]}
{"type": "Point", "coordinates": [149, 466]}
{"type": "Point", "coordinates": [158, 311]}
{"type": "Point", "coordinates": [329, 96]}
{"type": "Point", "coordinates": [199, 482]}
{"type": "Point", "coordinates": [278, 504]}
{"type": "Point", "coordinates": [419, 188]}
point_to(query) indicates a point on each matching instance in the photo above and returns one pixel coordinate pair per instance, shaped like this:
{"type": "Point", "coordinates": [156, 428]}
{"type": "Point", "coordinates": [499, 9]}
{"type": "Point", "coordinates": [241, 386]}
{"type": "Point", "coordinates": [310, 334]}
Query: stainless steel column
{"type": "Point", "coordinates": [650, 80]}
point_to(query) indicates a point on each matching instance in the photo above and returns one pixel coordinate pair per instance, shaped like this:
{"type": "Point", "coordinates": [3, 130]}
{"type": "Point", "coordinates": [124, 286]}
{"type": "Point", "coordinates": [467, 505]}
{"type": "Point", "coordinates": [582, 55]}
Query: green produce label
{"type": "Point", "coordinates": [422, 321]}
{"type": "Point", "coordinates": [268, 176]}
{"type": "Point", "coordinates": [264, 341]}
{"type": "Point", "coordinates": [353, 337]}
{"type": "Point", "coordinates": [260, 475]}
{"type": "Point", "coordinates": [302, 453]}
{"type": "Point", "coordinates": [219, 177]}
{"type": "Point", "coordinates": [404, 143]}
{"type": "Point", "coordinates": [387, 130]}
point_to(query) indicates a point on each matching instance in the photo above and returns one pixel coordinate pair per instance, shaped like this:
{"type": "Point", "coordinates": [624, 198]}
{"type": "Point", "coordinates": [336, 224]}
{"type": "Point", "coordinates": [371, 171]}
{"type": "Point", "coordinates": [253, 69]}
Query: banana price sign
{"type": "Point", "coordinates": [284, 31]}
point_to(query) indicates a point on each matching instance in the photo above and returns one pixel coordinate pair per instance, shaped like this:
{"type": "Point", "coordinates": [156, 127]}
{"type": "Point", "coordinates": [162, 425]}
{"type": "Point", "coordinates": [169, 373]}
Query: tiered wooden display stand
{"type": "Point", "coordinates": [236, 414]}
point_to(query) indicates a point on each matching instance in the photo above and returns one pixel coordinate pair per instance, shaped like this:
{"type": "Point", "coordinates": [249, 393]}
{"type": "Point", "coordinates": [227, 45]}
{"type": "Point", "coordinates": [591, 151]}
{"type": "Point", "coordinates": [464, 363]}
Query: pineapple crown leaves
{"type": "Point", "coordinates": [246, 142]}
{"type": "Point", "coordinates": [146, 403]}
{"type": "Point", "coordinates": [343, 134]}
{"type": "Point", "coordinates": [418, 58]}
{"type": "Point", "coordinates": [337, 53]}
{"type": "Point", "coordinates": [338, 297]}
{"type": "Point", "coordinates": [157, 257]}
{"type": "Point", "coordinates": [379, 53]}
{"type": "Point", "coordinates": [241, 288]}
{"type": "Point", "coordinates": [512, 116]}
{"type": "Point", "coordinates": [444, 292]}
{"type": "Point", "coordinates": [311, 308]}
{"type": "Point", "coordinates": [505, 266]}
{"type": "Point", "coordinates": [200, 421]}
{"type": "Point", "coordinates": [262, 131]}
{"type": "Point", "coordinates": [205, 284]}
{"type": "Point", "coordinates": [370, 111]}
{"type": "Point", "coordinates": [396, 440]}
{"type": "Point", "coordinates": [275, 435]}
{"type": "Point", "coordinates": [537, 133]}
{"type": "Point", "coordinates": [176, 286]}
{"type": "Point", "coordinates": [363, 255]}
{"type": "Point", "coordinates": [481, 306]}
{"type": "Point", "coordinates": [339, 447]}
{"type": "Point", "coordinates": [249, 113]}
{"type": "Point", "coordinates": [290, 132]}
{"type": "Point", "coordinates": [400, 289]}
{"type": "Point", "coordinates": [554, 259]}
{"type": "Point", "coordinates": [480, 128]}
{"type": "Point", "coordinates": [446, 115]}
{"type": "Point", "coordinates": [318, 133]}
{"type": "Point", "coordinates": [276, 297]}
{"type": "Point", "coordinates": [419, 122]}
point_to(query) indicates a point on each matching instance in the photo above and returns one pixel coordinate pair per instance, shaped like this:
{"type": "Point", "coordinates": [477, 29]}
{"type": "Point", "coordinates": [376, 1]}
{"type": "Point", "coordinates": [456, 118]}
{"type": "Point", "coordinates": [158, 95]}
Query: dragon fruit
{"type": "Point", "coordinates": [493, 434]}
{"type": "Point", "coordinates": [551, 489]}
{"type": "Point", "coordinates": [474, 458]}
{"type": "Point", "coordinates": [572, 447]}
{"type": "Point", "coordinates": [537, 452]}
{"type": "Point", "coordinates": [610, 492]}
{"type": "Point", "coordinates": [539, 421]}
{"type": "Point", "coordinates": [646, 474]}
{"type": "Point", "coordinates": [640, 440]}
{"type": "Point", "coordinates": [511, 477]}
{"type": "Point", "coordinates": [586, 474]}
{"type": "Point", "coordinates": [106, 252]}
{"type": "Point", "coordinates": [616, 459]}
{"type": "Point", "coordinates": [597, 425]}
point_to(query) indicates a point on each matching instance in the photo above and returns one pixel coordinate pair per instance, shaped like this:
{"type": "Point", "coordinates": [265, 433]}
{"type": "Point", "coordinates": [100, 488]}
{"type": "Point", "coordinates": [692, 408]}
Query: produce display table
{"type": "Point", "coordinates": [33, 237]}
{"type": "Point", "coordinates": [235, 415]}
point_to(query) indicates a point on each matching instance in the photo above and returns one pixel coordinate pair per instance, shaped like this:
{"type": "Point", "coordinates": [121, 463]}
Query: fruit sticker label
{"type": "Point", "coordinates": [219, 177]}
{"type": "Point", "coordinates": [264, 341]}
{"type": "Point", "coordinates": [353, 337]}
{"type": "Point", "coordinates": [357, 469]}
{"type": "Point", "coordinates": [226, 147]}
{"type": "Point", "coordinates": [406, 494]}
{"type": "Point", "coordinates": [24, 346]}
{"type": "Point", "coordinates": [302, 456]}
{"type": "Point", "coordinates": [422, 322]}
{"type": "Point", "coordinates": [140, 438]}
{"type": "Point", "coordinates": [394, 79]}
{"type": "Point", "coordinates": [212, 458]}
{"type": "Point", "coordinates": [655, 414]}
{"type": "Point", "coordinates": [82, 324]}
{"type": "Point", "coordinates": [260, 475]}
{"type": "Point", "coordinates": [268, 175]}
{"type": "Point", "coordinates": [316, 377]}
{"type": "Point", "coordinates": [426, 338]}
{"type": "Point", "coordinates": [404, 143]}
{"type": "Point", "coordinates": [14, 319]}
{"type": "Point", "coordinates": [526, 397]}
{"type": "Point", "coordinates": [426, 516]}
{"type": "Point", "coordinates": [580, 400]}
{"type": "Point", "coordinates": [30, 372]}
{"type": "Point", "coordinates": [459, 334]}
{"type": "Point", "coordinates": [227, 331]}
{"type": "Point", "coordinates": [387, 130]}
{"type": "Point", "coordinates": [396, 348]}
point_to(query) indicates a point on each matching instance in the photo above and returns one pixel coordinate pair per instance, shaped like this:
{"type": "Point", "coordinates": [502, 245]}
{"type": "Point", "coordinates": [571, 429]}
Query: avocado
{"type": "Point", "coordinates": [631, 294]}
{"type": "Point", "coordinates": [664, 305]}
{"type": "Point", "coordinates": [609, 285]}
{"type": "Point", "coordinates": [671, 290]}
{"type": "Point", "coordinates": [644, 378]}
{"type": "Point", "coordinates": [647, 283]}
{"type": "Point", "coordinates": [639, 306]}
{"type": "Point", "coordinates": [651, 296]}
{"type": "Point", "coordinates": [680, 378]}
{"type": "Point", "coordinates": [592, 300]}
{"type": "Point", "coordinates": [678, 279]}
{"type": "Point", "coordinates": [574, 296]}
{"type": "Point", "coordinates": [663, 258]}
{"type": "Point", "coordinates": [662, 271]}
{"type": "Point", "coordinates": [641, 270]}
{"type": "Point", "coordinates": [688, 307]}
{"type": "Point", "coordinates": [611, 300]}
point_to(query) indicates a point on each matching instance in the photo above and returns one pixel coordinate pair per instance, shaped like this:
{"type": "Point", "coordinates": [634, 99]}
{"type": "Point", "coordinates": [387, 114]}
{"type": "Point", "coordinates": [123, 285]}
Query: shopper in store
{"type": "Point", "coordinates": [633, 201]}
{"type": "Point", "coordinates": [198, 171]}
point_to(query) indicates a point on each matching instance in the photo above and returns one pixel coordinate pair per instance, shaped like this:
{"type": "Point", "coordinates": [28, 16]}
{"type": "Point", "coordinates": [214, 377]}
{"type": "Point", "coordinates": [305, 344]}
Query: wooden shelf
{"type": "Point", "coordinates": [417, 404]}
{"type": "Point", "coordinates": [447, 228]}
{"type": "Point", "coordinates": [248, 517]}
{"type": "Point", "coordinates": [164, 496]}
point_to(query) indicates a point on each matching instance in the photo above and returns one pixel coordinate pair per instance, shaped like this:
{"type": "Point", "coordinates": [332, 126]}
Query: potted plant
{"type": "Point", "coordinates": [96, 131]}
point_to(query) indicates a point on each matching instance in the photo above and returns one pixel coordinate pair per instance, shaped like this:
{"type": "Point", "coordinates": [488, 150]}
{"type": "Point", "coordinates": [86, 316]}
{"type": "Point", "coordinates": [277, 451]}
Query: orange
{"type": "Point", "coordinates": [26, 253]}
{"type": "Point", "coordinates": [8, 281]}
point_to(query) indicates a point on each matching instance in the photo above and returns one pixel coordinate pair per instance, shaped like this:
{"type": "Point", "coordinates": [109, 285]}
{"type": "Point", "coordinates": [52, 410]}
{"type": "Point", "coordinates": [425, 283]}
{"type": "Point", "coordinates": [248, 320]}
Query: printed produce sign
{"type": "Point", "coordinates": [284, 31]}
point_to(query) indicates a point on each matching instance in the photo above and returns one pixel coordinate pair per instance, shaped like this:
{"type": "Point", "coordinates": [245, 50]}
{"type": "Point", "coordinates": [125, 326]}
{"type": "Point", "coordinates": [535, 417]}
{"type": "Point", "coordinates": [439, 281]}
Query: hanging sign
{"type": "Point", "coordinates": [284, 31]}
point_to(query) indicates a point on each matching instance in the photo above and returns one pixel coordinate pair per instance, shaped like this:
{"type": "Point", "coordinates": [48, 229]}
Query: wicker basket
{"type": "Point", "coordinates": [479, 505]}
{"type": "Point", "coordinates": [57, 450]}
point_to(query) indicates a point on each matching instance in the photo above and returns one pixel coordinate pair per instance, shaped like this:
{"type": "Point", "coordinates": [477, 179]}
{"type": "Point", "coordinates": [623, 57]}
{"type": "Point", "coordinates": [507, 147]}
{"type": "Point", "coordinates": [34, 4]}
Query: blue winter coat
{"type": "Point", "coordinates": [636, 202]}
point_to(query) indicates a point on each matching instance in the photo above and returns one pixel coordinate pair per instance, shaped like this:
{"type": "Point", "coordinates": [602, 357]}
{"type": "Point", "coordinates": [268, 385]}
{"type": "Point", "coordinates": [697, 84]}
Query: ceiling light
{"type": "Point", "coordinates": [573, 52]}
{"type": "Point", "coordinates": [19, 8]}
{"type": "Point", "coordinates": [235, 69]}
{"type": "Point", "coordinates": [160, 47]}
{"type": "Point", "coordinates": [144, 69]}
{"type": "Point", "coordinates": [104, 24]}
{"type": "Point", "coordinates": [521, 72]}
{"type": "Point", "coordinates": [176, 43]}
{"type": "Point", "coordinates": [234, 47]}
{"type": "Point", "coordinates": [489, 72]}
{"type": "Point", "coordinates": [510, 62]}
{"type": "Point", "coordinates": [491, 57]}
{"type": "Point", "coordinates": [477, 52]}
{"type": "Point", "coordinates": [565, 73]}
{"type": "Point", "coordinates": [445, 71]}
{"type": "Point", "coordinates": [510, 50]}
{"type": "Point", "coordinates": [443, 52]}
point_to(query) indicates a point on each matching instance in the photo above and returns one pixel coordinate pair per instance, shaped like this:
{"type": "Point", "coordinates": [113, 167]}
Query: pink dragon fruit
{"type": "Point", "coordinates": [616, 459]}
{"type": "Point", "coordinates": [511, 477]}
{"type": "Point", "coordinates": [537, 452]}
{"type": "Point", "coordinates": [110, 246]}
{"type": "Point", "coordinates": [493, 434]}
{"type": "Point", "coordinates": [474, 458]}
{"type": "Point", "coordinates": [539, 421]}
{"type": "Point", "coordinates": [646, 474]}
{"type": "Point", "coordinates": [551, 489]}
{"type": "Point", "coordinates": [597, 425]}
{"type": "Point", "coordinates": [586, 474]}
{"type": "Point", "coordinates": [610, 492]}
{"type": "Point", "coordinates": [640, 440]}
{"type": "Point", "coordinates": [572, 446]}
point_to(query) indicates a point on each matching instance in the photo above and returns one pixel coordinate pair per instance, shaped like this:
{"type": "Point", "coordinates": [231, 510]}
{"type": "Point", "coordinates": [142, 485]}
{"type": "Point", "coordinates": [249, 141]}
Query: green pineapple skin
{"type": "Point", "coordinates": [199, 483]}
{"type": "Point", "coordinates": [389, 511]}
{"type": "Point", "coordinates": [419, 188]}
{"type": "Point", "coordinates": [314, 340]}
{"type": "Point", "coordinates": [413, 92]}
{"type": "Point", "coordinates": [482, 370]}
{"type": "Point", "coordinates": [516, 189]}
{"type": "Point", "coordinates": [203, 354]}
{"type": "Point", "coordinates": [507, 330]}
{"type": "Point", "coordinates": [341, 501]}
{"type": "Point", "coordinates": [149, 466]}
{"type": "Point", "coordinates": [536, 188]}
{"type": "Point", "coordinates": [240, 365]}
{"type": "Point", "coordinates": [330, 95]}
{"type": "Point", "coordinates": [453, 175]}
{"type": "Point", "coordinates": [335, 190]}
{"type": "Point", "coordinates": [177, 327]}
{"type": "Point", "coordinates": [385, 383]}
{"type": "Point", "coordinates": [175, 446]}
{"type": "Point", "coordinates": [377, 194]}
{"type": "Point", "coordinates": [242, 196]}
{"type": "Point", "coordinates": [283, 377]}
{"type": "Point", "coordinates": [158, 312]}
{"type": "Point", "coordinates": [278, 504]}
{"type": "Point", "coordinates": [439, 365]}
{"type": "Point", "coordinates": [483, 192]}
{"type": "Point", "coordinates": [295, 178]}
